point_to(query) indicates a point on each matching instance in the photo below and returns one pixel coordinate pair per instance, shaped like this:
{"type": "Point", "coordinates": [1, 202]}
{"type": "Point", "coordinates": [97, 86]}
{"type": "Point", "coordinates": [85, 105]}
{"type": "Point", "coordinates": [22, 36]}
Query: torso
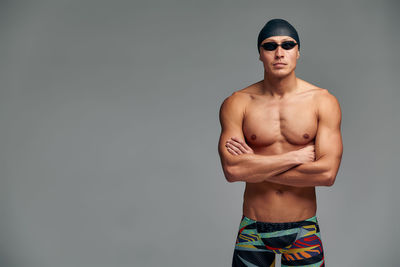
{"type": "Point", "coordinates": [275, 126]}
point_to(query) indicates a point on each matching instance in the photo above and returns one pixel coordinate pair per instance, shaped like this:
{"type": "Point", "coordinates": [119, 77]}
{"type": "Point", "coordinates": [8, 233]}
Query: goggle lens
{"type": "Point", "coordinates": [271, 46]}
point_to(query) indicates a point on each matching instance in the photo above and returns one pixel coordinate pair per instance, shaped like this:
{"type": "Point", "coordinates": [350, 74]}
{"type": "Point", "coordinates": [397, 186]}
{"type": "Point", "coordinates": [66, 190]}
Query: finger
{"type": "Point", "coordinates": [239, 145]}
{"type": "Point", "coordinates": [231, 151]}
{"type": "Point", "coordinates": [243, 143]}
{"type": "Point", "coordinates": [234, 148]}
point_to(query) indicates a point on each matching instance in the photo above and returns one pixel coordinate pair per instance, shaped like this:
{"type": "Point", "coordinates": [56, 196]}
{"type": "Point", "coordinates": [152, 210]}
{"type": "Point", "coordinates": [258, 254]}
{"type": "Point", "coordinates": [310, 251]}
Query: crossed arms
{"type": "Point", "coordinates": [294, 168]}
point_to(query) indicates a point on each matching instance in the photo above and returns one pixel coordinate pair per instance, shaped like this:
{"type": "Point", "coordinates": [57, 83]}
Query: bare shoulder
{"type": "Point", "coordinates": [324, 98]}
{"type": "Point", "coordinates": [237, 99]}
{"type": "Point", "coordinates": [328, 107]}
{"type": "Point", "coordinates": [232, 111]}
{"type": "Point", "coordinates": [320, 95]}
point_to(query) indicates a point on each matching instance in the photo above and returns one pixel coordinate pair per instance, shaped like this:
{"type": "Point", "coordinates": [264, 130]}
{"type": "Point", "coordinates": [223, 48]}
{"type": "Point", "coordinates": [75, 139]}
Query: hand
{"type": "Point", "coordinates": [235, 146]}
{"type": "Point", "coordinates": [305, 154]}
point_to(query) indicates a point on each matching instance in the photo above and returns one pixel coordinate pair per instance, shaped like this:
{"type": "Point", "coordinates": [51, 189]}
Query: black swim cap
{"type": "Point", "coordinates": [277, 27]}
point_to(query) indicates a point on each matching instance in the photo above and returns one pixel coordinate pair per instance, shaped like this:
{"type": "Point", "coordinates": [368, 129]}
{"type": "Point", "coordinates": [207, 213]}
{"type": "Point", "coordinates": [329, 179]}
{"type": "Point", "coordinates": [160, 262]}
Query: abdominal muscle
{"type": "Point", "coordinates": [270, 202]}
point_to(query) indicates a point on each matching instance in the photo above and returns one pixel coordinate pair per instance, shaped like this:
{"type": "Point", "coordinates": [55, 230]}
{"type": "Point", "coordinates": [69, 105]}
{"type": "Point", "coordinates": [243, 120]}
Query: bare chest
{"type": "Point", "coordinates": [291, 122]}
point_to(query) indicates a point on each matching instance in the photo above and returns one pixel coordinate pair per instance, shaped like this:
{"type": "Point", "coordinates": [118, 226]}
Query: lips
{"type": "Point", "coordinates": [279, 64]}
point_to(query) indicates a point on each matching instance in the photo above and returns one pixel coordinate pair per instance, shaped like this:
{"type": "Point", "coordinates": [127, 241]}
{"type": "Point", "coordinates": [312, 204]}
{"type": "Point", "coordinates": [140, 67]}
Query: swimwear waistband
{"type": "Point", "coordinates": [311, 219]}
{"type": "Point", "coordinates": [265, 227]}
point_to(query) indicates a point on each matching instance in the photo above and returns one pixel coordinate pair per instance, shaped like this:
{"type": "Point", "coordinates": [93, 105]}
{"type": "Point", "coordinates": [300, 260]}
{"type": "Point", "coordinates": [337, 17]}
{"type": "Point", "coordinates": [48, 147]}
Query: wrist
{"type": "Point", "coordinates": [293, 158]}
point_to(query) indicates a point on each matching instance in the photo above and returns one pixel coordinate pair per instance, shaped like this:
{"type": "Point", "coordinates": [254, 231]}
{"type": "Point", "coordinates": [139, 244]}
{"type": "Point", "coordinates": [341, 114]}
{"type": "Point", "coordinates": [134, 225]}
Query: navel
{"type": "Point", "coordinates": [306, 136]}
{"type": "Point", "coordinates": [253, 137]}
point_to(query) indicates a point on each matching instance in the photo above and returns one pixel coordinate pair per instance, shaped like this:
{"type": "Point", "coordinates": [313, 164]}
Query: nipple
{"type": "Point", "coordinates": [306, 136]}
{"type": "Point", "coordinates": [253, 137]}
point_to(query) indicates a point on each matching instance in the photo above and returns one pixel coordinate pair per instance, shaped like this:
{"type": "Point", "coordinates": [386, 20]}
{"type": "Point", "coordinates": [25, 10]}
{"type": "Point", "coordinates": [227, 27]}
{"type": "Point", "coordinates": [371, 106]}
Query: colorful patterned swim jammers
{"type": "Point", "coordinates": [299, 243]}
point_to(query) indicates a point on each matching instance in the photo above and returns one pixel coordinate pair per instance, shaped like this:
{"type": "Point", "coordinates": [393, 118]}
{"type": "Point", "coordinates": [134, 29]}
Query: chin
{"type": "Point", "coordinates": [280, 73]}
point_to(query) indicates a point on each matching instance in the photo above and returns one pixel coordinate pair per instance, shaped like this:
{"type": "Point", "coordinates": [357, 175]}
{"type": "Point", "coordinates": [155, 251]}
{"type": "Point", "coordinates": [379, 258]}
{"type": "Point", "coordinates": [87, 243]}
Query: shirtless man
{"type": "Point", "coordinates": [282, 137]}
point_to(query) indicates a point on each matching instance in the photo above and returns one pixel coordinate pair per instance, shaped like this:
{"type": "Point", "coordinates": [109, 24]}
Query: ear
{"type": "Point", "coordinates": [298, 54]}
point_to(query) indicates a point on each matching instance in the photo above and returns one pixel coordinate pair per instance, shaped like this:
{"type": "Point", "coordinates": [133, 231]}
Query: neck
{"type": "Point", "coordinates": [279, 86]}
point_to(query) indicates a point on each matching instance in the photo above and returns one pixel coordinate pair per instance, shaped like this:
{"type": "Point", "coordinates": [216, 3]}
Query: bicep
{"type": "Point", "coordinates": [231, 120]}
{"type": "Point", "coordinates": [328, 141]}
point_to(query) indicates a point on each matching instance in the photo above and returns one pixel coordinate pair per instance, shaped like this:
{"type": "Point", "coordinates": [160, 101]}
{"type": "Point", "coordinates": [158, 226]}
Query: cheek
{"type": "Point", "coordinates": [266, 58]}
{"type": "Point", "coordinates": [293, 58]}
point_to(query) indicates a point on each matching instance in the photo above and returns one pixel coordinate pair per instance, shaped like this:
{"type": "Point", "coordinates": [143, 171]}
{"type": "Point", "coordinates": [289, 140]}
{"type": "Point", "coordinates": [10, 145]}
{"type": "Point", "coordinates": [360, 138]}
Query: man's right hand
{"type": "Point", "coordinates": [305, 154]}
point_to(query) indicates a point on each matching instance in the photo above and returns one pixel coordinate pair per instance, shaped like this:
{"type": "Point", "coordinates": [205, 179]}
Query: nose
{"type": "Point", "coordinates": [279, 52]}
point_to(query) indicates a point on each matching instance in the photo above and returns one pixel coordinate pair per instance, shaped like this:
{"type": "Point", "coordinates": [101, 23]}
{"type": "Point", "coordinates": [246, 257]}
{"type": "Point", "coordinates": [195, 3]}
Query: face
{"type": "Point", "coordinates": [279, 55]}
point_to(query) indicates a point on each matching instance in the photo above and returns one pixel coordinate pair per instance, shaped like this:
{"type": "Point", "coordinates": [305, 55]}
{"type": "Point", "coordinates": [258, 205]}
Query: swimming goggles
{"type": "Point", "coordinates": [271, 46]}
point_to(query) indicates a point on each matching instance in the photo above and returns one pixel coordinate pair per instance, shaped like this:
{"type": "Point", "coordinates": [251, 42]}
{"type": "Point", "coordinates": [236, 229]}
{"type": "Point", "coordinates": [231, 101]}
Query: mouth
{"type": "Point", "coordinates": [279, 64]}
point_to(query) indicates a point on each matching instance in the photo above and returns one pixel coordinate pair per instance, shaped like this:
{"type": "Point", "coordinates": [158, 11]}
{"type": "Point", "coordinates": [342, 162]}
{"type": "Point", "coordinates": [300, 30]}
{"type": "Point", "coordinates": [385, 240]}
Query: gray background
{"type": "Point", "coordinates": [109, 128]}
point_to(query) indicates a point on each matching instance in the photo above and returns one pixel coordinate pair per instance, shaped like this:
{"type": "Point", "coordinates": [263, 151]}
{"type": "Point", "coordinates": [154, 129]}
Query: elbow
{"type": "Point", "coordinates": [330, 179]}
{"type": "Point", "coordinates": [231, 174]}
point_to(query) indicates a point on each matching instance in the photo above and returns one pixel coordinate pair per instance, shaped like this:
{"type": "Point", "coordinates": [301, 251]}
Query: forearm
{"type": "Point", "coordinates": [255, 168]}
{"type": "Point", "coordinates": [316, 173]}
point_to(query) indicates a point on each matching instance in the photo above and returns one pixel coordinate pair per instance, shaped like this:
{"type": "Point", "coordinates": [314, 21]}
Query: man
{"type": "Point", "coordinates": [282, 137]}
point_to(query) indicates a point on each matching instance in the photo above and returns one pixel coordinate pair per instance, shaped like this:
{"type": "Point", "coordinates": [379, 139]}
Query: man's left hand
{"type": "Point", "coordinates": [235, 146]}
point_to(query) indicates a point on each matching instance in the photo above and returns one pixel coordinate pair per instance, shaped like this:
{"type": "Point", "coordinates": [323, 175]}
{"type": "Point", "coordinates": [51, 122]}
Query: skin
{"type": "Point", "coordinates": [281, 136]}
